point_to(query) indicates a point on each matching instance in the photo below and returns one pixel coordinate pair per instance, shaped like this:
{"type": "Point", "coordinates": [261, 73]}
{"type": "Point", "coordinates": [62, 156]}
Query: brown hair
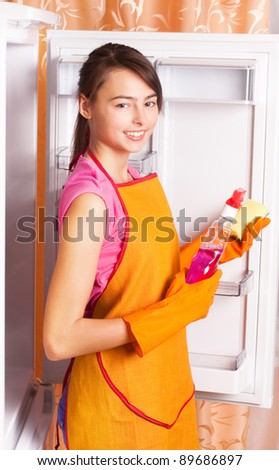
{"type": "Point", "coordinates": [93, 74]}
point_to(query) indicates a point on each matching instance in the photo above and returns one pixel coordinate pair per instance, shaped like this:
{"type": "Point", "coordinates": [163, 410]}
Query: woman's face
{"type": "Point", "coordinates": [123, 116]}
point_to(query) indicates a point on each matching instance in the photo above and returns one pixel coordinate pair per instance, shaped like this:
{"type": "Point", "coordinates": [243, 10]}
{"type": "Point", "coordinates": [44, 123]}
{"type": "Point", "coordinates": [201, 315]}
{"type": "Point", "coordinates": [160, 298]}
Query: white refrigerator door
{"type": "Point", "coordinates": [26, 405]}
{"type": "Point", "coordinates": [218, 131]}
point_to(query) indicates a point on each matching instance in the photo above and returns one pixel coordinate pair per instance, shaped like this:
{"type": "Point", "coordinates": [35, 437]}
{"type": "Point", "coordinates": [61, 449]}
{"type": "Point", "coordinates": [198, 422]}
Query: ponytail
{"type": "Point", "coordinates": [80, 139]}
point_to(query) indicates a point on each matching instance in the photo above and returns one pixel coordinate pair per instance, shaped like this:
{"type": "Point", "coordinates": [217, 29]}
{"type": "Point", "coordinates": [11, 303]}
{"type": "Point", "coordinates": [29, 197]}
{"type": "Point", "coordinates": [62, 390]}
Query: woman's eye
{"type": "Point", "coordinates": [149, 104]}
{"type": "Point", "coordinates": [122, 105]}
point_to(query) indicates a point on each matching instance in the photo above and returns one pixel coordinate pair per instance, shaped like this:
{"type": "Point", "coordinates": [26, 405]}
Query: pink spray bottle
{"type": "Point", "coordinates": [205, 262]}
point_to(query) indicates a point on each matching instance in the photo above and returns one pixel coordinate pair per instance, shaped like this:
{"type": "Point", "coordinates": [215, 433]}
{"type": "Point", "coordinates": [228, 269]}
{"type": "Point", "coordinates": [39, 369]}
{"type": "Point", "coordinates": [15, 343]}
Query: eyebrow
{"type": "Point", "coordinates": [119, 97]}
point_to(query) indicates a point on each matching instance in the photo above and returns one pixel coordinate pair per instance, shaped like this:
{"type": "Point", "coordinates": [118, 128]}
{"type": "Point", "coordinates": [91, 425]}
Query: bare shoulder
{"type": "Point", "coordinates": [86, 202]}
{"type": "Point", "coordinates": [86, 215]}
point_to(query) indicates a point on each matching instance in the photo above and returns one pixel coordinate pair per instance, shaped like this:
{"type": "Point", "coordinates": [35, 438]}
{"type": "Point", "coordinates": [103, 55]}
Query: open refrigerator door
{"type": "Point", "coordinates": [27, 404]}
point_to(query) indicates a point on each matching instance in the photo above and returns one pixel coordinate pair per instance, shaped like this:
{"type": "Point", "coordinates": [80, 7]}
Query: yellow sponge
{"type": "Point", "coordinates": [249, 211]}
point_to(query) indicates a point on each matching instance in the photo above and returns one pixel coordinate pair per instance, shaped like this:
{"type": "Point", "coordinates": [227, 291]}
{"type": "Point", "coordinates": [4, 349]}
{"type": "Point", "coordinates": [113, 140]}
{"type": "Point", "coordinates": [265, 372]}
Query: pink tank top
{"type": "Point", "coordinates": [90, 177]}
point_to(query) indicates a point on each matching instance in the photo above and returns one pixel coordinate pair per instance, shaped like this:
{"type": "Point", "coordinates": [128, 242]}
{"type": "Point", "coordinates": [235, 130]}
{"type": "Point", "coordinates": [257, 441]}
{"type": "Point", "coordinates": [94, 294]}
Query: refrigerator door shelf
{"type": "Point", "coordinates": [144, 163]}
{"type": "Point", "coordinates": [215, 361]}
{"type": "Point", "coordinates": [237, 289]}
{"type": "Point", "coordinates": [67, 77]}
{"type": "Point", "coordinates": [227, 80]}
{"type": "Point", "coordinates": [202, 62]}
{"type": "Point", "coordinates": [22, 22]}
{"type": "Point", "coordinates": [24, 16]}
{"type": "Point", "coordinates": [214, 380]}
{"type": "Point", "coordinates": [177, 99]}
{"type": "Point", "coordinates": [63, 159]}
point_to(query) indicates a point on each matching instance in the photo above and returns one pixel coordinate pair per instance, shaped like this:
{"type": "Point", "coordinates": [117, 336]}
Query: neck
{"type": "Point", "coordinates": [115, 166]}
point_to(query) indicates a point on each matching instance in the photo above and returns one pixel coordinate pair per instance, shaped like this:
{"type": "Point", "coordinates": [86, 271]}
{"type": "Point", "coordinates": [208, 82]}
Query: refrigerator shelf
{"type": "Point", "coordinates": [214, 381]}
{"type": "Point", "coordinates": [207, 101]}
{"type": "Point", "coordinates": [71, 95]}
{"type": "Point", "coordinates": [24, 16]}
{"type": "Point", "coordinates": [63, 158]}
{"type": "Point", "coordinates": [215, 361]}
{"type": "Point", "coordinates": [227, 80]}
{"type": "Point", "coordinates": [28, 418]}
{"type": "Point", "coordinates": [143, 163]}
{"type": "Point", "coordinates": [72, 59]}
{"type": "Point", "coordinates": [67, 78]}
{"type": "Point", "coordinates": [237, 289]}
{"type": "Point", "coordinates": [202, 62]}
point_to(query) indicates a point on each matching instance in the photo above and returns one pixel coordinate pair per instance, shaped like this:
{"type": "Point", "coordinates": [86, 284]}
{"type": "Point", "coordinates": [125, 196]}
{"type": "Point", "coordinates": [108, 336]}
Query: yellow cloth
{"type": "Point", "coordinates": [158, 387]}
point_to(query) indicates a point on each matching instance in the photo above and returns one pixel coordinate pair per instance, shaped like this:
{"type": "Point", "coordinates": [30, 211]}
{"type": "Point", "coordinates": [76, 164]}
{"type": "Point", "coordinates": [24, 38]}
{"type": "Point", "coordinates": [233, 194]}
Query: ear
{"type": "Point", "coordinates": [84, 106]}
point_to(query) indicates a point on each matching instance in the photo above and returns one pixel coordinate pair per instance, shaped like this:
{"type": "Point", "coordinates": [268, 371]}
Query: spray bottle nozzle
{"type": "Point", "coordinates": [237, 198]}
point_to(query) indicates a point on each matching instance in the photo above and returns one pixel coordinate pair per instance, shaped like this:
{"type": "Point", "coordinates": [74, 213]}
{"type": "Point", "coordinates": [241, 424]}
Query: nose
{"type": "Point", "coordinates": [139, 116]}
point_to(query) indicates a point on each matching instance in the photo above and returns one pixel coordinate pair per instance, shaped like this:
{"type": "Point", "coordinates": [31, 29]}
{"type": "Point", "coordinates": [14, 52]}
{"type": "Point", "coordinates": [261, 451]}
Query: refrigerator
{"type": "Point", "coordinates": [218, 131]}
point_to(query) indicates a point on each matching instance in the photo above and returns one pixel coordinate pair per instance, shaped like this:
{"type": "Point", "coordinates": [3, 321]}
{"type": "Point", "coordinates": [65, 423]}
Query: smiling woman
{"type": "Point", "coordinates": [129, 100]}
{"type": "Point", "coordinates": [123, 324]}
{"type": "Point", "coordinates": [120, 123]}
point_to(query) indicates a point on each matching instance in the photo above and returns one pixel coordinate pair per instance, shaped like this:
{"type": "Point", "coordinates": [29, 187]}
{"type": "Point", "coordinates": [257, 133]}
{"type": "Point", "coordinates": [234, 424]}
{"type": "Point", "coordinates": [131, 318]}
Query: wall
{"type": "Point", "coordinates": [264, 424]}
{"type": "Point", "coordinates": [274, 16]}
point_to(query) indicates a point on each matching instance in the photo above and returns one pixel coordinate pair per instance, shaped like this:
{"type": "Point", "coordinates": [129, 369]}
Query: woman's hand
{"type": "Point", "coordinates": [236, 248]}
{"type": "Point", "coordinates": [183, 304]}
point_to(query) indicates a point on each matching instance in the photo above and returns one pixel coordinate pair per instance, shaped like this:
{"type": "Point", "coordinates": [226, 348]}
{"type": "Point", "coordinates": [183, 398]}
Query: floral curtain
{"type": "Point", "coordinates": [220, 426]}
{"type": "Point", "coordinates": [198, 16]}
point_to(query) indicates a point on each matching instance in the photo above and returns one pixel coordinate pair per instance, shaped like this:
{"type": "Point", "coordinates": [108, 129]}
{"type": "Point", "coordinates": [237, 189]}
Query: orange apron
{"type": "Point", "coordinates": [116, 399]}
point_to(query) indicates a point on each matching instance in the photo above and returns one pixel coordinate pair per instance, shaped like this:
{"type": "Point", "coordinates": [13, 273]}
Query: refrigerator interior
{"type": "Point", "coordinates": [217, 132]}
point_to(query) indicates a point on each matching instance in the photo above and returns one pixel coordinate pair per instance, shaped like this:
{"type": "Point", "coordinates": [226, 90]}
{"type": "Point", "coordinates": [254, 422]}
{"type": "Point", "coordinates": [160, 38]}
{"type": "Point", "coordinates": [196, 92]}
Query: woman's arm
{"type": "Point", "coordinates": [66, 333]}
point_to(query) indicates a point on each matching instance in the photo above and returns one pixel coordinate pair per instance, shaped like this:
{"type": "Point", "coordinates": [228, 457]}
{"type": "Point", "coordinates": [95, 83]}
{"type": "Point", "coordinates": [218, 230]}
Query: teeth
{"type": "Point", "coordinates": [135, 134]}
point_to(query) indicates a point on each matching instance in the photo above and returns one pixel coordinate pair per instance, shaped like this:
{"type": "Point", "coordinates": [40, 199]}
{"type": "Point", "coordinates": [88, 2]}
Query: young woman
{"type": "Point", "coordinates": [118, 303]}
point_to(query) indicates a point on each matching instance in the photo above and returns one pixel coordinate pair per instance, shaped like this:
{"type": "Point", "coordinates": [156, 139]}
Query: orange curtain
{"type": "Point", "coordinates": [199, 16]}
{"type": "Point", "coordinates": [221, 426]}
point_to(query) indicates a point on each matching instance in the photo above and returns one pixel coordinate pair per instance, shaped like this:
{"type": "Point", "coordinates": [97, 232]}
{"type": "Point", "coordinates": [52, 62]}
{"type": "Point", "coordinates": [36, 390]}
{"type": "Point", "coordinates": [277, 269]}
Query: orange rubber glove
{"type": "Point", "coordinates": [235, 248]}
{"type": "Point", "coordinates": [183, 304]}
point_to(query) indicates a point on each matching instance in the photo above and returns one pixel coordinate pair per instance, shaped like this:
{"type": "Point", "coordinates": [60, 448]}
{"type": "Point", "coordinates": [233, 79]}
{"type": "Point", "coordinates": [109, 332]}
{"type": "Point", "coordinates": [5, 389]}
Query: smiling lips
{"type": "Point", "coordinates": [135, 134]}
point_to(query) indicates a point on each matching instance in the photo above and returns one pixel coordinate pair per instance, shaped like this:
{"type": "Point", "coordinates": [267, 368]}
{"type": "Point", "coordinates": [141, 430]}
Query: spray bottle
{"type": "Point", "coordinates": [205, 262]}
